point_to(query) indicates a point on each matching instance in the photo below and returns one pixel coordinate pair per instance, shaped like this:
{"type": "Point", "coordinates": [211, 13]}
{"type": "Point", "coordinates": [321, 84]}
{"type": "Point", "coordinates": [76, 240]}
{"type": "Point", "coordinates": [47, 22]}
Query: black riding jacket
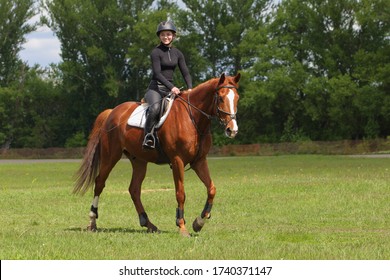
{"type": "Point", "coordinates": [164, 61]}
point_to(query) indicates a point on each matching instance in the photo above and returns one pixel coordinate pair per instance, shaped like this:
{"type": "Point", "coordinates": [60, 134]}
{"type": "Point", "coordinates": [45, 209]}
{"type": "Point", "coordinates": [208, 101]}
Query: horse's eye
{"type": "Point", "coordinates": [220, 99]}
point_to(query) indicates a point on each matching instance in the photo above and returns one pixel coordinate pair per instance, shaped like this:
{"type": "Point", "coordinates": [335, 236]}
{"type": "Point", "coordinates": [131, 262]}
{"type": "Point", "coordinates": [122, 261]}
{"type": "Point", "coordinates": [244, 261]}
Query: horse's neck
{"type": "Point", "coordinates": [202, 97]}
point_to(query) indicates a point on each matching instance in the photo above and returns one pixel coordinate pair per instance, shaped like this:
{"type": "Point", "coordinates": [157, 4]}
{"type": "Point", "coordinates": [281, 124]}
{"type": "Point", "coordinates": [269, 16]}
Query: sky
{"type": "Point", "coordinates": [42, 47]}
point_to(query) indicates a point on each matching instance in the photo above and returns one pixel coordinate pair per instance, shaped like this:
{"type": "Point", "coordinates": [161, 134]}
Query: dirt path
{"type": "Point", "coordinates": [25, 161]}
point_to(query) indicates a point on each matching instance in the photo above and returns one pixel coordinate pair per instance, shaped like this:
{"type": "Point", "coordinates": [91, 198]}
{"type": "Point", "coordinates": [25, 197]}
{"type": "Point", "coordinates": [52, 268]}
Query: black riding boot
{"type": "Point", "coordinates": [149, 140]}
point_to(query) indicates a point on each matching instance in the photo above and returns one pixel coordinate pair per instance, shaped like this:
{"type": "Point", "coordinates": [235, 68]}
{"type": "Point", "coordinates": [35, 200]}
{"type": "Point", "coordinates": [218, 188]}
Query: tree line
{"type": "Point", "coordinates": [312, 69]}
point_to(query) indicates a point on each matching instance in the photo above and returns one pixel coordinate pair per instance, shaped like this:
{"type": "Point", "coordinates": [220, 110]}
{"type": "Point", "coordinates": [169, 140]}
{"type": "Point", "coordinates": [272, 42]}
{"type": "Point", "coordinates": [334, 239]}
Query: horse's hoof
{"type": "Point", "coordinates": [92, 228]}
{"type": "Point", "coordinates": [184, 233]}
{"type": "Point", "coordinates": [198, 224]}
{"type": "Point", "coordinates": [153, 229]}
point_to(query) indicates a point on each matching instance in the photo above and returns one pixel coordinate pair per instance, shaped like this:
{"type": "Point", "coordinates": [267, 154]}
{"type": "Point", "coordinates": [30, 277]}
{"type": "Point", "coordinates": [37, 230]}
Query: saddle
{"type": "Point", "coordinates": [138, 117]}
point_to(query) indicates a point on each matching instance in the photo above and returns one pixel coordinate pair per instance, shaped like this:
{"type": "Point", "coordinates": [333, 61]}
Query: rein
{"type": "Point", "coordinates": [193, 106]}
{"type": "Point", "coordinates": [218, 109]}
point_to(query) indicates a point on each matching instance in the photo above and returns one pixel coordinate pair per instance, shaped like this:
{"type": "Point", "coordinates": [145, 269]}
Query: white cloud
{"type": "Point", "coordinates": [42, 47]}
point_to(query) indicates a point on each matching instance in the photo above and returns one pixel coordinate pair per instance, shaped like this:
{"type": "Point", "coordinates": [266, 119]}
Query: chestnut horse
{"type": "Point", "coordinates": [183, 139]}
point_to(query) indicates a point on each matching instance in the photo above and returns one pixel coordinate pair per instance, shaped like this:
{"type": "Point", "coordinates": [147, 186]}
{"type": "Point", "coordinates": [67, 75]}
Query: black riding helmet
{"type": "Point", "coordinates": [165, 26]}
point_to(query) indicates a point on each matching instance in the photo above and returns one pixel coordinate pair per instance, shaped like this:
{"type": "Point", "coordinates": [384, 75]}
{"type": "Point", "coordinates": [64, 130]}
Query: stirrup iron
{"type": "Point", "coordinates": [149, 141]}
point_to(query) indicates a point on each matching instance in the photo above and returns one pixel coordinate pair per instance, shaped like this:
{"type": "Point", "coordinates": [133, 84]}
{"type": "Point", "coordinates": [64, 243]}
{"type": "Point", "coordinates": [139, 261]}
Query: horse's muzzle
{"type": "Point", "coordinates": [231, 128]}
{"type": "Point", "coordinates": [231, 133]}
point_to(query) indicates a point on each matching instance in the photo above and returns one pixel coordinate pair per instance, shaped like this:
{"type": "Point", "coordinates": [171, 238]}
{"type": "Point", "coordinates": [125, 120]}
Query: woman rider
{"type": "Point", "coordinates": [164, 58]}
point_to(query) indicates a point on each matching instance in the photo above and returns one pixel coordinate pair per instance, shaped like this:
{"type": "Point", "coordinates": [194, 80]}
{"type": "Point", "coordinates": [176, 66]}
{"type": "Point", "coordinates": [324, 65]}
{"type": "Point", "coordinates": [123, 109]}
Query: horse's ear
{"type": "Point", "coordinates": [237, 78]}
{"type": "Point", "coordinates": [221, 79]}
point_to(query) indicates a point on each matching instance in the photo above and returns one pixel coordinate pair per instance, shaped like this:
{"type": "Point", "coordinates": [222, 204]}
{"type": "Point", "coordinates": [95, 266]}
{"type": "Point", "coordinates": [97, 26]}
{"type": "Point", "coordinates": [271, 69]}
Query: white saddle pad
{"type": "Point", "coordinates": [138, 117]}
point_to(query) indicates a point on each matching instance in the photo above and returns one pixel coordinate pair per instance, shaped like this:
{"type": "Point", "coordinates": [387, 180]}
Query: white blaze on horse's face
{"type": "Point", "coordinates": [231, 129]}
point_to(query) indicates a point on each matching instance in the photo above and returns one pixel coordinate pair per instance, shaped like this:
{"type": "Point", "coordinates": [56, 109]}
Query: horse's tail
{"type": "Point", "coordinates": [87, 172]}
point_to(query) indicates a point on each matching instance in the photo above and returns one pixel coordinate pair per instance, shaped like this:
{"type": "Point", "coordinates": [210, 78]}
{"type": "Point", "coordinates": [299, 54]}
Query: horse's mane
{"type": "Point", "coordinates": [203, 86]}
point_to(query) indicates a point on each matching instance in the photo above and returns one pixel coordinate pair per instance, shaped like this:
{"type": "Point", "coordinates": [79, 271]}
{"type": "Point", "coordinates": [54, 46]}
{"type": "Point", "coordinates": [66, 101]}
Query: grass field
{"type": "Point", "coordinates": [280, 207]}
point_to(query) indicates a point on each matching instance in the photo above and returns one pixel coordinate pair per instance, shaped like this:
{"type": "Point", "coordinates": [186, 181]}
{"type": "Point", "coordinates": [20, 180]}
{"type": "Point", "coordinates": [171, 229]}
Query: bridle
{"type": "Point", "coordinates": [219, 110]}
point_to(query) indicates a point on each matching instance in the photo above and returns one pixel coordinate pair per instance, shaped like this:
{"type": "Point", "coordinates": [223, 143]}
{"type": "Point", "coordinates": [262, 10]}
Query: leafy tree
{"type": "Point", "coordinates": [206, 16]}
{"type": "Point", "coordinates": [372, 70]}
{"type": "Point", "coordinates": [14, 25]}
{"type": "Point", "coordinates": [7, 116]}
{"type": "Point", "coordinates": [312, 68]}
{"type": "Point", "coordinates": [30, 112]}
{"type": "Point", "coordinates": [220, 26]}
{"type": "Point", "coordinates": [14, 16]}
{"type": "Point", "coordinates": [244, 19]}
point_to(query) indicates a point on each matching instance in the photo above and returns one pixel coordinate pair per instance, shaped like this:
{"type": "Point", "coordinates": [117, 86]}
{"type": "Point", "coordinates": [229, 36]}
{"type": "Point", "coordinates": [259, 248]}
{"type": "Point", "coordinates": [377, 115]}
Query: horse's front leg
{"type": "Point", "coordinates": [139, 172]}
{"type": "Point", "coordinates": [202, 170]}
{"type": "Point", "coordinates": [178, 175]}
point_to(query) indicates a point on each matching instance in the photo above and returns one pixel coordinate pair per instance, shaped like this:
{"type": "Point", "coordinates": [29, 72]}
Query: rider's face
{"type": "Point", "coordinates": [166, 37]}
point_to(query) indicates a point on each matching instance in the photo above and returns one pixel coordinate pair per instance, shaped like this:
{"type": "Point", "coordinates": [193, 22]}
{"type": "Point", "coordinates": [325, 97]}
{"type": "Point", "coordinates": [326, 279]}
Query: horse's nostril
{"type": "Point", "coordinates": [230, 133]}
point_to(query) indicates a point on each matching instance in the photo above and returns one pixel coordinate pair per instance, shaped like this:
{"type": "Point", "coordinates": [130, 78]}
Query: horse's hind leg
{"type": "Point", "coordinates": [202, 170]}
{"type": "Point", "coordinates": [139, 172]}
{"type": "Point", "coordinates": [108, 161]}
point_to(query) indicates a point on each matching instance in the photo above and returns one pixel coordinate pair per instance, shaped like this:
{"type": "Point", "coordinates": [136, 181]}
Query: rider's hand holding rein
{"type": "Point", "coordinates": [175, 90]}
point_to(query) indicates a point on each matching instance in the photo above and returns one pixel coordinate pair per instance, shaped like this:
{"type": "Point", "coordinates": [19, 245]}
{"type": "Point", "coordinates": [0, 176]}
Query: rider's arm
{"type": "Point", "coordinates": [184, 70]}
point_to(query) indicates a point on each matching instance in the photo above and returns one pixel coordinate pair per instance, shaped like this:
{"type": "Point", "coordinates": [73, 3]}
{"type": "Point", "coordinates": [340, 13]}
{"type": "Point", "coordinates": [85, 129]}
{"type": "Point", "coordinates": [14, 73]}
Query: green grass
{"type": "Point", "coordinates": [281, 207]}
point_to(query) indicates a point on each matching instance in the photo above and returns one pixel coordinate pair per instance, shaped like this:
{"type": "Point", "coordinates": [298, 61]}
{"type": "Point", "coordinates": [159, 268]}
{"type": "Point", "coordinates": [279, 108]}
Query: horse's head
{"type": "Point", "coordinates": [226, 103]}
